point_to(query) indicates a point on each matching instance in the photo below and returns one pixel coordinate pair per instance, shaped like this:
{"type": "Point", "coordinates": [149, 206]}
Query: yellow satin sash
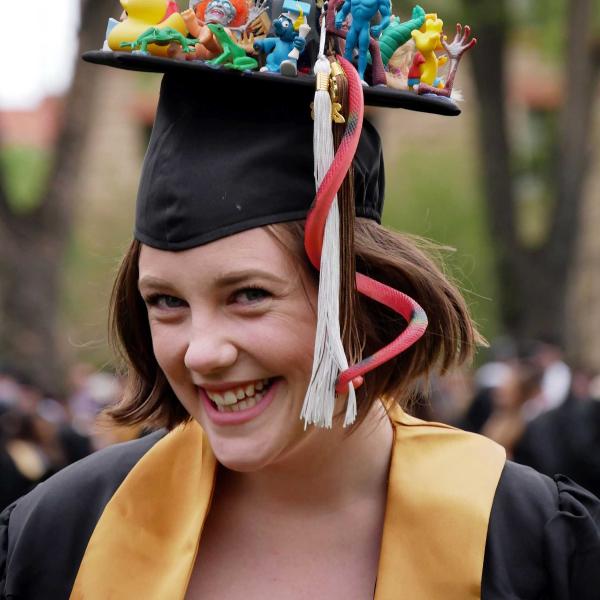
{"type": "Point", "coordinates": [441, 488]}
{"type": "Point", "coordinates": [440, 493]}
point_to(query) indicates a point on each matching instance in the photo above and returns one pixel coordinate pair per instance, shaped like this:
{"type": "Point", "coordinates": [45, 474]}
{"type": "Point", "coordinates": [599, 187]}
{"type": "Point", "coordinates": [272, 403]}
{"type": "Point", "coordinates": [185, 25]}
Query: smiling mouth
{"type": "Point", "coordinates": [215, 13]}
{"type": "Point", "coordinates": [240, 398]}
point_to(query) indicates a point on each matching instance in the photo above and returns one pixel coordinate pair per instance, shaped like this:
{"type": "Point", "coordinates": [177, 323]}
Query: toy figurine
{"type": "Point", "coordinates": [291, 30]}
{"type": "Point", "coordinates": [426, 62]}
{"type": "Point", "coordinates": [461, 43]}
{"type": "Point", "coordinates": [360, 32]}
{"type": "Point", "coordinates": [112, 23]}
{"type": "Point", "coordinates": [140, 15]}
{"type": "Point", "coordinates": [172, 8]}
{"type": "Point", "coordinates": [229, 13]}
{"type": "Point", "coordinates": [378, 73]}
{"type": "Point", "coordinates": [243, 21]}
{"type": "Point", "coordinates": [161, 37]}
{"type": "Point", "coordinates": [397, 33]}
{"type": "Point", "coordinates": [232, 56]}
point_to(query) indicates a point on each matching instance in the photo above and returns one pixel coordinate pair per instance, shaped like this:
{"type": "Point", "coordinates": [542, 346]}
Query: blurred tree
{"type": "Point", "coordinates": [534, 277]}
{"type": "Point", "coordinates": [34, 241]}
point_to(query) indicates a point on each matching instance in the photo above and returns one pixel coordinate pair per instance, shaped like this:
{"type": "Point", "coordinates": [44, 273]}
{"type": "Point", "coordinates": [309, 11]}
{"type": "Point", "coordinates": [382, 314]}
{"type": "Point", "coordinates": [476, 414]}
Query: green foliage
{"type": "Point", "coordinates": [544, 26]}
{"type": "Point", "coordinates": [534, 167]}
{"type": "Point", "coordinates": [444, 204]}
{"type": "Point", "coordinates": [448, 10]}
{"type": "Point", "coordinates": [25, 170]}
{"type": "Point", "coordinates": [93, 255]}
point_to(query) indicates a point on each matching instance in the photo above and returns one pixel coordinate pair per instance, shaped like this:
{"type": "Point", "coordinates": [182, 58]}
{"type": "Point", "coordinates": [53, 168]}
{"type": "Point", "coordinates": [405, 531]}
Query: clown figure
{"type": "Point", "coordinates": [234, 15]}
{"type": "Point", "coordinates": [362, 12]}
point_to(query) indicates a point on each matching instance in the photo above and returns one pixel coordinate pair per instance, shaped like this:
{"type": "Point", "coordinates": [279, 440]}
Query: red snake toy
{"type": "Point", "coordinates": [313, 241]}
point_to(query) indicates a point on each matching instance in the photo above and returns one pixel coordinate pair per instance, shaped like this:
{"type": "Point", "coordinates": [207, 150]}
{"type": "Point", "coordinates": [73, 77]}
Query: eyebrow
{"type": "Point", "coordinates": [227, 279]}
{"type": "Point", "coordinates": [150, 281]}
{"type": "Point", "coordinates": [235, 277]}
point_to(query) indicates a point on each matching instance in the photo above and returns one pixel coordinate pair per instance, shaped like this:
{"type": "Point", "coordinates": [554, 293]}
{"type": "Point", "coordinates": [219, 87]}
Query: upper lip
{"type": "Point", "coordinates": [222, 387]}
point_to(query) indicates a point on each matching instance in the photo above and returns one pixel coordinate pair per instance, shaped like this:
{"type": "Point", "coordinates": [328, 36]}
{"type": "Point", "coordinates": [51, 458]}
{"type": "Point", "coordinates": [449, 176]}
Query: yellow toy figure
{"type": "Point", "coordinates": [428, 40]}
{"type": "Point", "coordinates": [140, 15]}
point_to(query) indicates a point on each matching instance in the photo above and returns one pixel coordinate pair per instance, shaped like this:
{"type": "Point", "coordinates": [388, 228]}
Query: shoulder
{"type": "Point", "coordinates": [543, 538]}
{"type": "Point", "coordinates": [524, 492]}
{"type": "Point", "coordinates": [48, 529]}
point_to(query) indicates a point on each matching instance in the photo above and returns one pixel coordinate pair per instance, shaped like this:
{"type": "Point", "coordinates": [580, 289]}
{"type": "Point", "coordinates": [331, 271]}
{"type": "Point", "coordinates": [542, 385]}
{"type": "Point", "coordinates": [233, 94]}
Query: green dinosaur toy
{"type": "Point", "coordinates": [232, 56]}
{"type": "Point", "coordinates": [161, 36]}
{"type": "Point", "coordinates": [398, 33]}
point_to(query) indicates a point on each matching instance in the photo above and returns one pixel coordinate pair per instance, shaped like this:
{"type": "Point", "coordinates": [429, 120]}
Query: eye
{"type": "Point", "coordinates": [286, 24]}
{"type": "Point", "coordinates": [250, 295]}
{"type": "Point", "coordinates": [165, 301]}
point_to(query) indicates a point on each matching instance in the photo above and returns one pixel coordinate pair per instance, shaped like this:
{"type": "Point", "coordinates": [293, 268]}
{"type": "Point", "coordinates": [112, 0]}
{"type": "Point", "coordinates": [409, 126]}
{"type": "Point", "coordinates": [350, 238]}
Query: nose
{"type": "Point", "coordinates": [210, 350]}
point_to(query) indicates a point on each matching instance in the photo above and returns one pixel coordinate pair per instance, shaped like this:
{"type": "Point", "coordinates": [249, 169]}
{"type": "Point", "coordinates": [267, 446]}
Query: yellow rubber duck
{"type": "Point", "coordinates": [140, 15]}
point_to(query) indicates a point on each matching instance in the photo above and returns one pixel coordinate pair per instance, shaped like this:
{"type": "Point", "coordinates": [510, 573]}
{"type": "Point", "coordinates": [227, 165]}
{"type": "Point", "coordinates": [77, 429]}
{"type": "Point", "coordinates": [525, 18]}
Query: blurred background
{"type": "Point", "coordinates": [510, 190]}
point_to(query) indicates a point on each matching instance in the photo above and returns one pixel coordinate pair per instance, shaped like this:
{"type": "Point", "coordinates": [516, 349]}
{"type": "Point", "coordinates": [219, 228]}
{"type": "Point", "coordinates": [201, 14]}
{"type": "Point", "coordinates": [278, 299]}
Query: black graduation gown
{"type": "Point", "coordinates": [543, 539]}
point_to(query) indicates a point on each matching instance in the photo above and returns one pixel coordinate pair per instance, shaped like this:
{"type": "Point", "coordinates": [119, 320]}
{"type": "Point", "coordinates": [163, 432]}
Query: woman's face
{"type": "Point", "coordinates": [233, 327]}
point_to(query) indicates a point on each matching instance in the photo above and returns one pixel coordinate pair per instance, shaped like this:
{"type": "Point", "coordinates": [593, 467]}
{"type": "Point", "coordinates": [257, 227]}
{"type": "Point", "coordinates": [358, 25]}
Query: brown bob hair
{"type": "Point", "coordinates": [399, 260]}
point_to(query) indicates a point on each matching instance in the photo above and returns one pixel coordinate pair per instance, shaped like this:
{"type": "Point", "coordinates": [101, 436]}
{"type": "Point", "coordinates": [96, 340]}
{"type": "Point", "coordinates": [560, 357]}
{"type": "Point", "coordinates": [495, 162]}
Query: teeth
{"type": "Point", "coordinates": [242, 405]}
{"type": "Point", "coordinates": [229, 398]}
{"type": "Point", "coordinates": [216, 398]}
{"type": "Point", "coordinates": [239, 397]}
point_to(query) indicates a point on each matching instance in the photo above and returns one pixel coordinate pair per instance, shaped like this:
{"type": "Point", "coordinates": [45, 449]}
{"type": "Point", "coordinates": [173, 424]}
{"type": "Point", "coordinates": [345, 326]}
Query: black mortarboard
{"type": "Point", "coordinates": [219, 163]}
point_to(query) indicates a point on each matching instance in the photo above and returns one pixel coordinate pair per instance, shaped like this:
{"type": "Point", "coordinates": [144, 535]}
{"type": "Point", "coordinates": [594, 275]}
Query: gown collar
{"type": "Point", "coordinates": [441, 488]}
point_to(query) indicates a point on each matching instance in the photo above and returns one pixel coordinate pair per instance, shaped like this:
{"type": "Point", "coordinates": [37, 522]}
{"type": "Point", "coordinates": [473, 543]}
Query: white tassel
{"type": "Point", "coordinates": [329, 356]}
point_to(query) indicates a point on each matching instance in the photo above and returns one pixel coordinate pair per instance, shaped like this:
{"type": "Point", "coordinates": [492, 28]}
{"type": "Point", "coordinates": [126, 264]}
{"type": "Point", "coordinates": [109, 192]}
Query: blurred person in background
{"type": "Point", "coordinates": [555, 384]}
{"type": "Point", "coordinates": [92, 391]}
{"type": "Point", "coordinates": [507, 420]}
{"type": "Point", "coordinates": [20, 464]}
{"type": "Point", "coordinates": [36, 436]}
{"type": "Point", "coordinates": [492, 375]}
{"type": "Point", "coordinates": [566, 439]}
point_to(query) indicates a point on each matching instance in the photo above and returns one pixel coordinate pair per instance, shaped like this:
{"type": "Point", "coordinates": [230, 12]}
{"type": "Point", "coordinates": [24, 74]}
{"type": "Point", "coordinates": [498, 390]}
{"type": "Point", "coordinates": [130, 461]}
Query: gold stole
{"type": "Point", "coordinates": [441, 488]}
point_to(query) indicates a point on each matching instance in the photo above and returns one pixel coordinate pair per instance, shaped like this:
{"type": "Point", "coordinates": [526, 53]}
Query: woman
{"type": "Point", "coordinates": [216, 308]}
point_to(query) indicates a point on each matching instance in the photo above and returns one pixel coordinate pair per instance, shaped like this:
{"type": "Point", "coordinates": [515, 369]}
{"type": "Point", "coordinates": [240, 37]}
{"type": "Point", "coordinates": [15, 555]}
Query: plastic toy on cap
{"type": "Point", "coordinates": [138, 17]}
{"type": "Point", "coordinates": [291, 30]}
{"type": "Point", "coordinates": [250, 25]}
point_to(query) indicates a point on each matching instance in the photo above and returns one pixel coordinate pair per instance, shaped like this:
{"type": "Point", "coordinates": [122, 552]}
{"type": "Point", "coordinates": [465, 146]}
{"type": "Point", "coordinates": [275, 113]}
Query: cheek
{"type": "Point", "coordinates": [169, 347]}
{"type": "Point", "coordinates": [290, 341]}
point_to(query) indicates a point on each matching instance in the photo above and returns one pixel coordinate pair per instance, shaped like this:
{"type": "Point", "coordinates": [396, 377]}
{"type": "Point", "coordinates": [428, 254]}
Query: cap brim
{"type": "Point", "coordinates": [374, 96]}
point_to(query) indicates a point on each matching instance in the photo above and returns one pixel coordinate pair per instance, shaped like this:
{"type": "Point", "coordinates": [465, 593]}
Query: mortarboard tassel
{"type": "Point", "coordinates": [314, 244]}
{"type": "Point", "coordinates": [329, 356]}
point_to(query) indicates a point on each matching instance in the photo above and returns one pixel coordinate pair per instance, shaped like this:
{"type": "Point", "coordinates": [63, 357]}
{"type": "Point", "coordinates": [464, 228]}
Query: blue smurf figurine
{"type": "Point", "coordinates": [291, 30]}
{"type": "Point", "coordinates": [362, 12]}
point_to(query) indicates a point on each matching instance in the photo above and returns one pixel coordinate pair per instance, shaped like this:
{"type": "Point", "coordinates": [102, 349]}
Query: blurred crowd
{"type": "Point", "coordinates": [545, 412]}
{"type": "Point", "coordinates": [41, 433]}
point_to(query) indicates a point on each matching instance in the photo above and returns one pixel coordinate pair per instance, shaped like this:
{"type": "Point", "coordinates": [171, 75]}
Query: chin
{"type": "Point", "coordinates": [245, 454]}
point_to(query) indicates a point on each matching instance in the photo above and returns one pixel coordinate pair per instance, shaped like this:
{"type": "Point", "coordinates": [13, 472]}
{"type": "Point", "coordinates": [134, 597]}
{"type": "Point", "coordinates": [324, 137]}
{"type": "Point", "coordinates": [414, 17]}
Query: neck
{"type": "Point", "coordinates": [330, 470]}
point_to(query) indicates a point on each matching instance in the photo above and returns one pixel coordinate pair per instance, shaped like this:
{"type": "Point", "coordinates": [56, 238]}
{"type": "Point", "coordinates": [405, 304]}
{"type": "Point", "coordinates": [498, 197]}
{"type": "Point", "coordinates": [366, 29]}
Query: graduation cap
{"type": "Point", "coordinates": [235, 144]}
